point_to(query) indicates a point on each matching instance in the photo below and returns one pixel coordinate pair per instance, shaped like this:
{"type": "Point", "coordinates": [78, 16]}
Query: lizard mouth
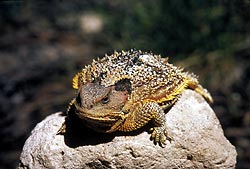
{"type": "Point", "coordinates": [107, 116]}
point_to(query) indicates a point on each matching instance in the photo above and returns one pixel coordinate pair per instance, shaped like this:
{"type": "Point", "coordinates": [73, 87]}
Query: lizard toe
{"type": "Point", "coordinates": [159, 135]}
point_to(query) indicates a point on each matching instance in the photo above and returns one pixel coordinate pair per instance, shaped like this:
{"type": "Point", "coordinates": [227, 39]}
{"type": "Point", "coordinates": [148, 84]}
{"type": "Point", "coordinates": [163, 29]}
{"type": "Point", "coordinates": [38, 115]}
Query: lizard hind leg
{"type": "Point", "coordinates": [194, 84]}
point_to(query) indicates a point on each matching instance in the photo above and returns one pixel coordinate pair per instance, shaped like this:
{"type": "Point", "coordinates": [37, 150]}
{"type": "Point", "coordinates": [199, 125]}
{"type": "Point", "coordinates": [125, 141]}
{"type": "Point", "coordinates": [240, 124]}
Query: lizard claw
{"type": "Point", "coordinates": [159, 135]}
{"type": "Point", "coordinates": [62, 129]}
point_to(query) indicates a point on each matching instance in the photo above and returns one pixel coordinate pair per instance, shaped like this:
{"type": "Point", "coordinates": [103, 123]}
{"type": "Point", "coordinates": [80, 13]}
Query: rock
{"type": "Point", "coordinates": [198, 141]}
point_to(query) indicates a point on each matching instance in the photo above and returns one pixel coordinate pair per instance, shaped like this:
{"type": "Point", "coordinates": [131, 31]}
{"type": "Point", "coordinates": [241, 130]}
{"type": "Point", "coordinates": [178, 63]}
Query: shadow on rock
{"type": "Point", "coordinates": [77, 134]}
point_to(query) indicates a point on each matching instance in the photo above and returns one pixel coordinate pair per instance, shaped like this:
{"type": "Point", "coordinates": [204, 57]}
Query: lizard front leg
{"type": "Point", "coordinates": [142, 115]}
{"type": "Point", "coordinates": [63, 128]}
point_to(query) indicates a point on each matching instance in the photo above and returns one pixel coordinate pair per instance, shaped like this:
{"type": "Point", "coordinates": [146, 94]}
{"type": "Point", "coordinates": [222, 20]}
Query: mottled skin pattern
{"type": "Point", "coordinates": [126, 90]}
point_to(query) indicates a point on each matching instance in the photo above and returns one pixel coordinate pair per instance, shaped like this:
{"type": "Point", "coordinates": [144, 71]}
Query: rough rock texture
{"type": "Point", "coordinates": [197, 142]}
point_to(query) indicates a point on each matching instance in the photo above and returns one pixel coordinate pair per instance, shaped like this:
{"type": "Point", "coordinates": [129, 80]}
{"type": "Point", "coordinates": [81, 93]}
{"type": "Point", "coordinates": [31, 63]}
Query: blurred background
{"type": "Point", "coordinates": [43, 43]}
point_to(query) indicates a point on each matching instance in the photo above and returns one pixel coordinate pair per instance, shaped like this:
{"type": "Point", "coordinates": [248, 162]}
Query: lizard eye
{"type": "Point", "coordinates": [105, 100]}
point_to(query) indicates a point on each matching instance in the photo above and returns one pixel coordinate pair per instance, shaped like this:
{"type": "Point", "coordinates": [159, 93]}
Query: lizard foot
{"type": "Point", "coordinates": [159, 135]}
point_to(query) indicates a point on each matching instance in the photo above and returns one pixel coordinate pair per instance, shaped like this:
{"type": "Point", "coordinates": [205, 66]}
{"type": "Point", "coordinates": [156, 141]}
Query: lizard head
{"type": "Point", "coordinates": [101, 106]}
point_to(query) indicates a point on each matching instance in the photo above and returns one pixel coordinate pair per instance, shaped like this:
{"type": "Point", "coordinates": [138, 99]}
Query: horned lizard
{"type": "Point", "coordinates": [126, 90]}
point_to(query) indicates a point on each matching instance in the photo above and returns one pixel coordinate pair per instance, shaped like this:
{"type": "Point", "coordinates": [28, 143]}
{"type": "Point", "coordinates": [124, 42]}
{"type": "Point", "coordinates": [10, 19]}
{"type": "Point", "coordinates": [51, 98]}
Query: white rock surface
{"type": "Point", "coordinates": [198, 141]}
